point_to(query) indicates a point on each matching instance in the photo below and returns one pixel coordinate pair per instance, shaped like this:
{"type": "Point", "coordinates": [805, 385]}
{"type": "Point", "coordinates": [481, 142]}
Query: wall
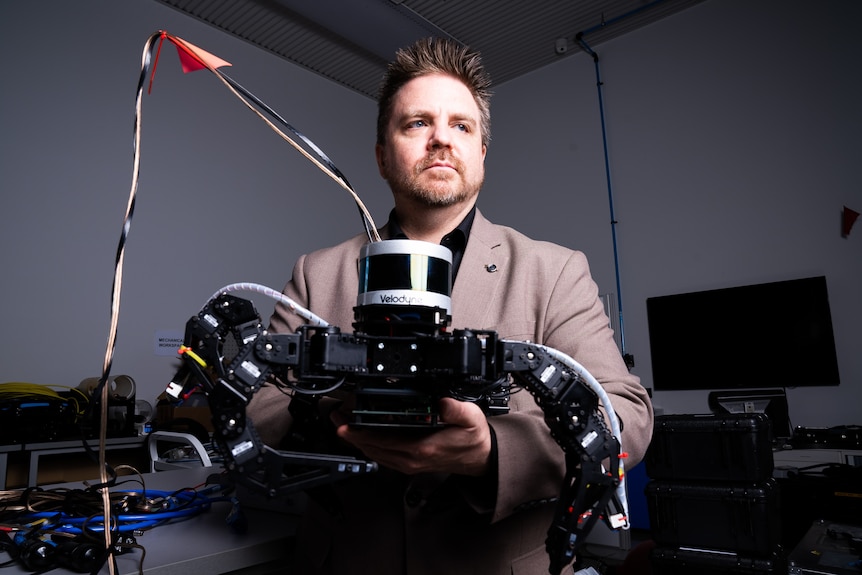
{"type": "Point", "coordinates": [733, 144]}
{"type": "Point", "coordinates": [731, 134]}
{"type": "Point", "coordinates": [222, 198]}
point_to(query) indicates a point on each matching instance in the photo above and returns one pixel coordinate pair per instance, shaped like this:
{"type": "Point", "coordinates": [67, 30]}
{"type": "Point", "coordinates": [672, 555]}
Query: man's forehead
{"type": "Point", "coordinates": [433, 94]}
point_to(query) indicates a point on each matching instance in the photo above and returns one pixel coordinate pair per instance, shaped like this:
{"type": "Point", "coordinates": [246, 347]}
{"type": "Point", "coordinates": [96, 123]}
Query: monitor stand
{"type": "Point", "coordinates": [772, 402]}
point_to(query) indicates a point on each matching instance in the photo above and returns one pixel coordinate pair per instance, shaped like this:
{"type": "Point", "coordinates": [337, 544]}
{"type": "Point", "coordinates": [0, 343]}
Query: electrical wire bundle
{"type": "Point", "coordinates": [14, 388]}
{"type": "Point", "coordinates": [41, 529]}
{"type": "Point", "coordinates": [34, 412]}
{"type": "Point", "coordinates": [18, 390]}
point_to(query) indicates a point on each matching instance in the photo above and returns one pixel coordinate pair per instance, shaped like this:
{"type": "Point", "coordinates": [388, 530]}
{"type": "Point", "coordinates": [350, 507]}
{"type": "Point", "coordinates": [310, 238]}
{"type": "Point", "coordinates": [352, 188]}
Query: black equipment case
{"type": "Point", "coordinates": [738, 518]}
{"type": "Point", "coordinates": [727, 447]}
{"type": "Point", "coordinates": [674, 561]}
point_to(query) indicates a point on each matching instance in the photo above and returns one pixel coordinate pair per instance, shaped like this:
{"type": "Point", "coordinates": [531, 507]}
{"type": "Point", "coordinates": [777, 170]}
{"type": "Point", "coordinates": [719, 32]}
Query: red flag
{"type": "Point", "coordinates": [193, 58]}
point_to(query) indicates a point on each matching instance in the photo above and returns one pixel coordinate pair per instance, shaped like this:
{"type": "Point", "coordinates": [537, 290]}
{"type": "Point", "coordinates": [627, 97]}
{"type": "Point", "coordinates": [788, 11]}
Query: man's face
{"type": "Point", "coordinates": [433, 151]}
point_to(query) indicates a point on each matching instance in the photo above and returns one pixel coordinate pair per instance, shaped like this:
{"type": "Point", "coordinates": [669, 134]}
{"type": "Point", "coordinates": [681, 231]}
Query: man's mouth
{"type": "Point", "coordinates": [438, 163]}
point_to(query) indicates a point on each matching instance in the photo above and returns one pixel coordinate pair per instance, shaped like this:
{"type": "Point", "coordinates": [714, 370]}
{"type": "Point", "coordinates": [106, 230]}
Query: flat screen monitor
{"type": "Point", "coordinates": [769, 335]}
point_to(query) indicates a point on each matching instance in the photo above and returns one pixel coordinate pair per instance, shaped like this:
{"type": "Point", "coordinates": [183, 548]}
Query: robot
{"type": "Point", "coordinates": [399, 360]}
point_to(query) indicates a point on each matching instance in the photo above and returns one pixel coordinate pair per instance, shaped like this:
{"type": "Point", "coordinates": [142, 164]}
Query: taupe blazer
{"type": "Point", "coordinates": [390, 524]}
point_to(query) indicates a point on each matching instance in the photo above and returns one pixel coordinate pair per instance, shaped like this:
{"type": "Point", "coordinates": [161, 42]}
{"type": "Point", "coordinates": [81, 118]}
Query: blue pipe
{"type": "Point", "coordinates": [579, 38]}
{"type": "Point", "coordinates": [605, 23]}
{"type": "Point", "coordinates": [595, 56]}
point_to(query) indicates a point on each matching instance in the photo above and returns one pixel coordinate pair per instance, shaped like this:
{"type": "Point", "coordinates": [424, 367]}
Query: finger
{"type": "Point", "coordinates": [460, 413]}
{"type": "Point", "coordinates": [338, 418]}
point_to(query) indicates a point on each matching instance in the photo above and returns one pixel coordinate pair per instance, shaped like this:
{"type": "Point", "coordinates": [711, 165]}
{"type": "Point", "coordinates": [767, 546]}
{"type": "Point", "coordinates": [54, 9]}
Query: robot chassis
{"type": "Point", "coordinates": [396, 377]}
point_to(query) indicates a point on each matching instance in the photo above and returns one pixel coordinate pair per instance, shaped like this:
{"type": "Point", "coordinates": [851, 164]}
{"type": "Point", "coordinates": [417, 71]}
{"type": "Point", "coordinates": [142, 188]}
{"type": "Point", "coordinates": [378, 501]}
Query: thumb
{"type": "Point", "coordinates": [338, 418]}
{"type": "Point", "coordinates": [454, 412]}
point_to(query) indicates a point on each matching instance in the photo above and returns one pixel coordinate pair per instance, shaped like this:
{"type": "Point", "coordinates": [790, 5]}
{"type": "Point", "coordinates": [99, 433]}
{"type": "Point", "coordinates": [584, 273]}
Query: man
{"type": "Point", "coordinates": [473, 496]}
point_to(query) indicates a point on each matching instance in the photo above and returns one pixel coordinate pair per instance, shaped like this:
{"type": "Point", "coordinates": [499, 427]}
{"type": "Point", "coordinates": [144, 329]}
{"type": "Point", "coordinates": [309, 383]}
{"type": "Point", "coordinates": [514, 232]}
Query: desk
{"type": "Point", "coordinates": [34, 451]}
{"type": "Point", "coordinates": [201, 544]}
{"type": "Point", "coordinates": [822, 456]}
{"type": "Point", "coordinates": [808, 494]}
{"type": "Point", "coordinates": [5, 450]}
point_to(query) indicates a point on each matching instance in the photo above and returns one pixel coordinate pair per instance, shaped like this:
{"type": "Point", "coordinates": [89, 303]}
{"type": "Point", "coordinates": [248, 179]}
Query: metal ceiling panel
{"type": "Point", "coordinates": [350, 41]}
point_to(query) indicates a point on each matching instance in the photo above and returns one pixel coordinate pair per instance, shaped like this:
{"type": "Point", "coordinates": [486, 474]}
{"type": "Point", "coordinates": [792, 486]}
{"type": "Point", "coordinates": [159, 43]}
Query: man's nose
{"type": "Point", "coordinates": [441, 137]}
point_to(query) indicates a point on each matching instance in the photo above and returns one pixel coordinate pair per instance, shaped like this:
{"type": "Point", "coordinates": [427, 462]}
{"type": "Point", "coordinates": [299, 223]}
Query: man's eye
{"type": "Point", "coordinates": [417, 124]}
{"type": "Point", "coordinates": [462, 127]}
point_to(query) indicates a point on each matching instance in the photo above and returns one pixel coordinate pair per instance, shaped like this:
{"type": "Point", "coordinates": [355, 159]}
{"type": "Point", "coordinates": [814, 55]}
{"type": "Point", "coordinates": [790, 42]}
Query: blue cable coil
{"type": "Point", "coordinates": [174, 506]}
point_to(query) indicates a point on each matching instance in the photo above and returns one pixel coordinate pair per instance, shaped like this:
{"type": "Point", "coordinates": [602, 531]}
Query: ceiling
{"type": "Point", "coordinates": [350, 41]}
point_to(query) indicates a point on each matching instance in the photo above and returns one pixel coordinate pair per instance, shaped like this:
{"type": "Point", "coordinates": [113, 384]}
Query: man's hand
{"type": "Point", "coordinates": [462, 446]}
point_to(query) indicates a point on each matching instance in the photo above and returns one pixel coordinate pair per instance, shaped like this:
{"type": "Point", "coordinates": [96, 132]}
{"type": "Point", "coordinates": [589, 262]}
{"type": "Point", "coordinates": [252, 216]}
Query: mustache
{"type": "Point", "coordinates": [443, 156]}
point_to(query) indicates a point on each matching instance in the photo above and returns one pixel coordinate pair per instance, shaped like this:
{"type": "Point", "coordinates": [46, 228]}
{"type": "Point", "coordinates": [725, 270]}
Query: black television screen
{"type": "Point", "coordinates": [769, 335]}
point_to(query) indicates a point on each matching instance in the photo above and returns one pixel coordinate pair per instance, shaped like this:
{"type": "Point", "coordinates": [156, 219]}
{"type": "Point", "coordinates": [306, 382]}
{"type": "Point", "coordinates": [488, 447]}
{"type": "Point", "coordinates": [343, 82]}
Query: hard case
{"type": "Point", "coordinates": [674, 561]}
{"type": "Point", "coordinates": [741, 518]}
{"type": "Point", "coordinates": [828, 548]}
{"type": "Point", "coordinates": [709, 447]}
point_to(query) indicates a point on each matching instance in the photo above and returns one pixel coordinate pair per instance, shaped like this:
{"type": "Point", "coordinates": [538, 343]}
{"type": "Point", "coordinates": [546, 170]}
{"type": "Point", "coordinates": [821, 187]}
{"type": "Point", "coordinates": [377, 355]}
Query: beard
{"type": "Point", "coordinates": [436, 190]}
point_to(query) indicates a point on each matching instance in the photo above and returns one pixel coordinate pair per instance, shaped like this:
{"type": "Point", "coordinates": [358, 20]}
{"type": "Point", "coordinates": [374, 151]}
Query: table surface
{"type": "Point", "coordinates": [203, 543]}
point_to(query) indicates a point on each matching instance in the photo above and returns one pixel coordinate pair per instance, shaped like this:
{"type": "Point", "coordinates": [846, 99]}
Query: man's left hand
{"type": "Point", "coordinates": [462, 445]}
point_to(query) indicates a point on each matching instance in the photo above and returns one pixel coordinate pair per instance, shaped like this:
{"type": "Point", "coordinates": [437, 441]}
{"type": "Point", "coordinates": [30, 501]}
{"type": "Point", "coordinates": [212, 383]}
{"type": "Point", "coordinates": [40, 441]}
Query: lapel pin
{"type": "Point", "coordinates": [491, 268]}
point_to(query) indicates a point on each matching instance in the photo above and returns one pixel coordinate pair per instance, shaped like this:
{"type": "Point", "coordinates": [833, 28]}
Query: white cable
{"type": "Point", "coordinates": [593, 383]}
{"type": "Point", "coordinates": [277, 296]}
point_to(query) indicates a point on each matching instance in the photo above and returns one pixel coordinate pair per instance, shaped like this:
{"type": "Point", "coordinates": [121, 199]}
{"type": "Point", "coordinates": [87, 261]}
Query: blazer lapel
{"type": "Point", "coordinates": [479, 277]}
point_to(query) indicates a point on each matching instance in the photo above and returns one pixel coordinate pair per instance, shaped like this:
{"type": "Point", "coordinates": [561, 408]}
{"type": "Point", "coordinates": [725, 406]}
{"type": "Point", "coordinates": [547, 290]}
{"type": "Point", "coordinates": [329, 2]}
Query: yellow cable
{"type": "Point", "coordinates": [188, 351]}
{"type": "Point", "coordinates": [20, 389]}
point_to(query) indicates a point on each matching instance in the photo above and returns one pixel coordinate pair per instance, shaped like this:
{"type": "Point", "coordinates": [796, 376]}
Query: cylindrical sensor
{"type": "Point", "coordinates": [405, 276]}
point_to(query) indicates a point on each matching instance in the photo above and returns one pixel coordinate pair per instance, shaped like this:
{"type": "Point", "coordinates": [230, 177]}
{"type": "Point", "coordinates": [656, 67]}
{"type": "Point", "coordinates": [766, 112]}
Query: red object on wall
{"type": "Point", "coordinates": [848, 218]}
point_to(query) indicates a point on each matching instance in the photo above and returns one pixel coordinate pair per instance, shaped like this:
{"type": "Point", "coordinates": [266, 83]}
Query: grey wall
{"type": "Point", "coordinates": [733, 135]}
{"type": "Point", "coordinates": [731, 139]}
{"type": "Point", "coordinates": [222, 198]}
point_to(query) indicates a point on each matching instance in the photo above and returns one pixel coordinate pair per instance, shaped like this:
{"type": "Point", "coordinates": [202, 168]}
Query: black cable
{"type": "Point", "coordinates": [321, 155]}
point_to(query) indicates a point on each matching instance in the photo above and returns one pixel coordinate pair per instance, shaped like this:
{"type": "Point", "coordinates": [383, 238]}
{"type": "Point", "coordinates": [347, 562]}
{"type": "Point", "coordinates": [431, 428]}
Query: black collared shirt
{"type": "Point", "coordinates": [456, 240]}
